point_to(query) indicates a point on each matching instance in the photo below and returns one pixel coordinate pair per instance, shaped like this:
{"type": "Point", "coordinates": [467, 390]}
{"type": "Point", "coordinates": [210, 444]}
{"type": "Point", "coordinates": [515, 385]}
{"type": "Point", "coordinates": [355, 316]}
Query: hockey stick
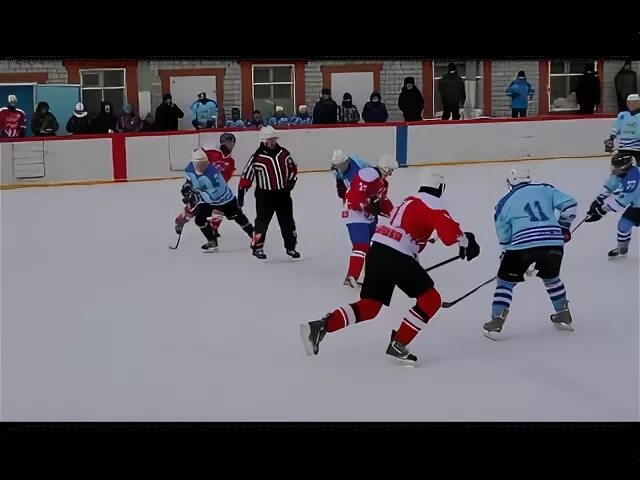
{"type": "Point", "coordinates": [451, 304]}
{"type": "Point", "coordinates": [578, 226]}
{"type": "Point", "coordinates": [437, 265]}
{"type": "Point", "coordinates": [177, 243]}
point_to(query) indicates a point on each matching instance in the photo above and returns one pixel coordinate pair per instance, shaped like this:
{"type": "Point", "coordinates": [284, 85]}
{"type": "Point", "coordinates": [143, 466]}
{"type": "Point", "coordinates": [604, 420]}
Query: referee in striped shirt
{"type": "Point", "coordinates": [275, 174]}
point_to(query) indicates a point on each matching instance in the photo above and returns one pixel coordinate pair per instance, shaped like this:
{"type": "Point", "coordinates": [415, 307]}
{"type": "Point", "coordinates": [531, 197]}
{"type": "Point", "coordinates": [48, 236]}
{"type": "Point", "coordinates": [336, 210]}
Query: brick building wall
{"type": "Point", "coordinates": [55, 69]}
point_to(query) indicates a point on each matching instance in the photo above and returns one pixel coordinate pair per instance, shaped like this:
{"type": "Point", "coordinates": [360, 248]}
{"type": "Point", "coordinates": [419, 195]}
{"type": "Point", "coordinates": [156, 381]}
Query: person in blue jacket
{"type": "Point", "coordinates": [204, 111]}
{"type": "Point", "coordinates": [521, 93]}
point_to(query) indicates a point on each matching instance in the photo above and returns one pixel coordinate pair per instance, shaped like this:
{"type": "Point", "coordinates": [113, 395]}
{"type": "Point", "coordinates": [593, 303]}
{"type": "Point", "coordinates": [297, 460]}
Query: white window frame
{"type": "Point", "coordinates": [270, 65]}
{"type": "Point", "coordinates": [435, 84]}
{"type": "Point", "coordinates": [100, 70]}
{"type": "Point", "coordinates": [549, 106]}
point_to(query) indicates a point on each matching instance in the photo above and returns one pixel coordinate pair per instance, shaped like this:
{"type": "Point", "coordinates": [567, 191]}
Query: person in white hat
{"type": "Point", "coordinates": [627, 128]}
{"type": "Point", "coordinates": [78, 123]}
{"type": "Point", "coordinates": [13, 121]}
{"type": "Point", "coordinates": [364, 201]}
{"type": "Point", "coordinates": [393, 262]}
{"type": "Point", "coordinates": [205, 191]}
{"type": "Point", "coordinates": [275, 174]}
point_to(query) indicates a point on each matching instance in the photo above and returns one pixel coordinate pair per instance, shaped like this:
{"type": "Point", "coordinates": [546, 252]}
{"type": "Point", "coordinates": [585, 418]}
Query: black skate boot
{"type": "Point", "coordinates": [211, 245]}
{"type": "Point", "coordinates": [259, 253]}
{"type": "Point", "coordinates": [493, 328]}
{"type": "Point", "coordinates": [399, 352]}
{"type": "Point", "coordinates": [562, 319]}
{"type": "Point", "coordinates": [312, 334]}
{"type": "Point", "coordinates": [293, 254]}
{"type": "Point", "coordinates": [618, 252]}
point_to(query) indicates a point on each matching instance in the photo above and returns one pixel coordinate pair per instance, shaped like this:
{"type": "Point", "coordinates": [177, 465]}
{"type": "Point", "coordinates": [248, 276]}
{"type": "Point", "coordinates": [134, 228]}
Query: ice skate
{"type": "Point", "coordinates": [563, 319]}
{"type": "Point", "coordinates": [259, 253]}
{"type": "Point", "coordinates": [399, 353]}
{"type": "Point", "coordinates": [293, 254]}
{"type": "Point", "coordinates": [493, 328]}
{"type": "Point", "coordinates": [618, 252]}
{"type": "Point", "coordinates": [312, 334]}
{"type": "Point", "coordinates": [210, 246]}
{"type": "Point", "coordinates": [352, 282]}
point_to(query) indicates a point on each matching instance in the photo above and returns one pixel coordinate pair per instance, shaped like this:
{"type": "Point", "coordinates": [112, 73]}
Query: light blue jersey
{"type": "Point", "coordinates": [355, 164]}
{"type": "Point", "coordinates": [622, 192]}
{"type": "Point", "coordinates": [210, 185]}
{"type": "Point", "coordinates": [627, 128]}
{"type": "Point", "coordinates": [526, 216]}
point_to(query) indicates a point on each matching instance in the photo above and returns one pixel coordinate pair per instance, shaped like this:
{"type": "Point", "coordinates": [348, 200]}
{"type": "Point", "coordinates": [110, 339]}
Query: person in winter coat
{"type": "Point", "coordinates": [129, 120]}
{"type": "Point", "coordinates": [348, 112]}
{"type": "Point", "coordinates": [256, 121]}
{"type": "Point", "coordinates": [452, 93]}
{"type": "Point", "coordinates": [302, 117]}
{"type": "Point", "coordinates": [626, 82]}
{"type": "Point", "coordinates": [588, 90]}
{"type": "Point", "coordinates": [13, 120]}
{"type": "Point", "coordinates": [167, 115]}
{"type": "Point", "coordinates": [105, 121]}
{"type": "Point", "coordinates": [204, 111]}
{"type": "Point", "coordinates": [521, 93]}
{"type": "Point", "coordinates": [79, 122]}
{"type": "Point", "coordinates": [43, 122]}
{"type": "Point", "coordinates": [326, 109]}
{"type": "Point", "coordinates": [374, 111]}
{"type": "Point", "coordinates": [411, 101]}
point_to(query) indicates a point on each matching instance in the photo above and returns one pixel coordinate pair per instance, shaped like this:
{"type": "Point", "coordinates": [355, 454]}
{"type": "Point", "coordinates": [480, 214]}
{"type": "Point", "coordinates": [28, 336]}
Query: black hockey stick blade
{"type": "Point", "coordinates": [437, 265]}
{"type": "Point", "coordinates": [177, 243]}
{"type": "Point", "coordinates": [451, 304]}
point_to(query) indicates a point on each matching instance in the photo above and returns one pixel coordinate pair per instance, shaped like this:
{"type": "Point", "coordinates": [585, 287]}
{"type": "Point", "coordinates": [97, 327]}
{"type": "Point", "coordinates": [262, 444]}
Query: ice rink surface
{"type": "Point", "coordinates": [101, 321]}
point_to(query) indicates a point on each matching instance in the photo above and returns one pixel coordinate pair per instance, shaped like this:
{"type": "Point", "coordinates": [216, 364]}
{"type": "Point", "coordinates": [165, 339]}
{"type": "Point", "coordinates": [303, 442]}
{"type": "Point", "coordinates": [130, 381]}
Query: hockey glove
{"type": "Point", "coordinates": [341, 188]}
{"type": "Point", "coordinates": [566, 233]}
{"type": "Point", "coordinates": [241, 197]}
{"type": "Point", "coordinates": [291, 184]}
{"type": "Point", "coordinates": [608, 144]}
{"type": "Point", "coordinates": [469, 248]}
{"type": "Point", "coordinates": [374, 205]}
{"type": "Point", "coordinates": [595, 213]}
{"type": "Point", "coordinates": [186, 189]}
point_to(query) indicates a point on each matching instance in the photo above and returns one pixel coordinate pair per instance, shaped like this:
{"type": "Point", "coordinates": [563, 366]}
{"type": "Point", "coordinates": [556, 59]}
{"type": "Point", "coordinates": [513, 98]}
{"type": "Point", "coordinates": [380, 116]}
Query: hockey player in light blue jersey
{"type": "Point", "coordinates": [621, 192]}
{"type": "Point", "coordinates": [530, 232]}
{"type": "Point", "coordinates": [627, 128]}
{"type": "Point", "coordinates": [206, 190]}
{"type": "Point", "coordinates": [345, 167]}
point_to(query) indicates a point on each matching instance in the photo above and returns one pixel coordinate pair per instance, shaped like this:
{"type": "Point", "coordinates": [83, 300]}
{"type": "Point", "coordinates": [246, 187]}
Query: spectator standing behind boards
{"type": "Point", "coordinates": [279, 118]}
{"type": "Point", "coordinates": [167, 115]}
{"type": "Point", "coordinates": [374, 111]}
{"type": "Point", "coordinates": [348, 112]}
{"type": "Point", "coordinates": [129, 120]}
{"type": "Point", "coordinates": [43, 122]}
{"type": "Point", "coordinates": [302, 117]}
{"type": "Point", "coordinates": [521, 93]}
{"type": "Point", "coordinates": [256, 121]}
{"type": "Point", "coordinates": [204, 111]}
{"type": "Point", "coordinates": [452, 93]}
{"type": "Point", "coordinates": [105, 121]}
{"type": "Point", "coordinates": [588, 90]}
{"type": "Point", "coordinates": [79, 123]}
{"type": "Point", "coordinates": [626, 82]}
{"type": "Point", "coordinates": [13, 121]}
{"type": "Point", "coordinates": [325, 111]}
{"type": "Point", "coordinates": [235, 121]}
{"type": "Point", "coordinates": [411, 101]}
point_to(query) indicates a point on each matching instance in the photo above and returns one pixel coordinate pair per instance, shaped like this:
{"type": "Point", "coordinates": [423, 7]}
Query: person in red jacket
{"type": "Point", "coordinates": [13, 121]}
{"type": "Point", "coordinates": [223, 161]}
{"type": "Point", "coordinates": [392, 262]}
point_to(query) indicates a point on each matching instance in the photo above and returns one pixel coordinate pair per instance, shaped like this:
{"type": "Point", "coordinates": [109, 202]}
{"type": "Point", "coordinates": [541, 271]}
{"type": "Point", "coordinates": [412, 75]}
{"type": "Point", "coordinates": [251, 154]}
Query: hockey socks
{"type": "Point", "coordinates": [360, 311]}
{"type": "Point", "coordinates": [356, 260]}
{"type": "Point", "coordinates": [557, 293]}
{"type": "Point", "coordinates": [426, 307]}
{"type": "Point", "coordinates": [502, 297]}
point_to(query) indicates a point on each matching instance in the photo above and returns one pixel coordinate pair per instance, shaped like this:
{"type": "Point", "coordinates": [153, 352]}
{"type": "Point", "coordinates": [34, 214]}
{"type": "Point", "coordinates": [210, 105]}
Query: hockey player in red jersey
{"type": "Point", "coordinates": [363, 202]}
{"type": "Point", "coordinates": [392, 262]}
{"type": "Point", "coordinates": [225, 163]}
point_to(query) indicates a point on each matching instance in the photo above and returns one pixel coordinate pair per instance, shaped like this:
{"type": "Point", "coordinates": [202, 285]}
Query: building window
{"type": "Point", "coordinates": [441, 68]}
{"type": "Point", "coordinates": [273, 86]}
{"type": "Point", "coordinates": [563, 79]}
{"type": "Point", "coordinates": [103, 85]}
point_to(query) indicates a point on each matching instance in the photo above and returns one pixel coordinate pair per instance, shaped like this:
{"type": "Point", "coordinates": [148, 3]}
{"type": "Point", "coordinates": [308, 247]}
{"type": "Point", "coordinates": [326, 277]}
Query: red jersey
{"type": "Point", "coordinates": [412, 223]}
{"type": "Point", "coordinates": [367, 184]}
{"type": "Point", "coordinates": [226, 164]}
{"type": "Point", "coordinates": [13, 123]}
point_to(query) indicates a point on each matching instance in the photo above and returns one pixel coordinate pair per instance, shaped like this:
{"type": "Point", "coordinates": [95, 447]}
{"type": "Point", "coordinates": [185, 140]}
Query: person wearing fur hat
{"type": "Point", "coordinates": [452, 93]}
{"type": "Point", "coordinates": [275, 174]}
{"type": "Point", "coordinates": [43, 122]}
{"type": "Point", "coordinates": [167, 115]}
{"type": "Point", "coordinates": [375, 111]}
{"type": "Point", "coordinates": [588, 90]}
{"type": "Point", "coordinates": [302, 117]}
{"type": "Point", "coordinates": [348, 112]}
{"type": "Point", "coordinates": [521, 93]}
{"type": "Point", "coordinates": [325, 112]}
{"type": "Point", "coordinates": [411, 101]}
{"type": "Point", "coordinates": [78, 123]}
{"type": "Point", "coordinates": [13, 121]}
{"type": "Point", "coordinates": [204, 191]}
{"type": "Point", "coordinates": [279, 117]}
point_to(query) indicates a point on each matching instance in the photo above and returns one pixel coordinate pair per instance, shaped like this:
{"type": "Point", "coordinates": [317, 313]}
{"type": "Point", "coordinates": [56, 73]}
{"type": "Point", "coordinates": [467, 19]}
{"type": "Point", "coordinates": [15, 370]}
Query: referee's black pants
{"type": "Point", "coordinates": [279, 202]}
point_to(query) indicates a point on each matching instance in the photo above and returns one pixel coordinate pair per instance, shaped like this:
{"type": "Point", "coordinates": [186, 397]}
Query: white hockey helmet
{"type": "Point", "coordinates": [517, 176]}
{"type": "Point", "coordinates": [432, 183]}
{"type": "Point", "coordinates": [338, 157]}
{"type": "Point", "coordinates": [267, 133]}
{"type": "Point", "coordinates": [198, 155]}
{"type": "Point", "coordinates": [387, 163]}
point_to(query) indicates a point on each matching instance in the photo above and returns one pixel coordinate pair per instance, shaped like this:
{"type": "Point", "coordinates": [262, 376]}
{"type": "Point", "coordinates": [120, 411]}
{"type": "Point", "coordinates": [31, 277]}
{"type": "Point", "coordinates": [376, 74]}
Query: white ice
{"type": "Point", "coordinates": [101, 321]}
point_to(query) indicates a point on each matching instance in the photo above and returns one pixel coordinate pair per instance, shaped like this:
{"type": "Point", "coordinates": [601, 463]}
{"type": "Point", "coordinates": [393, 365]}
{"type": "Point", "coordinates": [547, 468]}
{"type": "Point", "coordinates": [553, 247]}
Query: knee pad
{"type": "Point", "coordinates": [427, 305]}
{"type": "Point", "coordinates": [366, 309]}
